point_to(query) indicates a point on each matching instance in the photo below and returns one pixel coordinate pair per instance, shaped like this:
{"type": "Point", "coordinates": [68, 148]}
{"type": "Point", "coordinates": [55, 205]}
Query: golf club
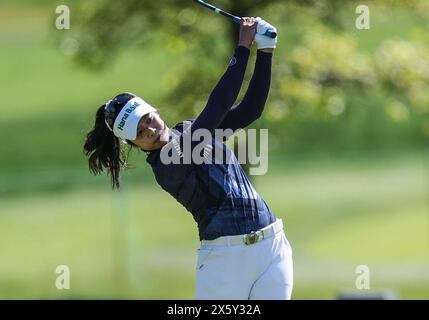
{"type": "Point", "coordinates": [268, 33]}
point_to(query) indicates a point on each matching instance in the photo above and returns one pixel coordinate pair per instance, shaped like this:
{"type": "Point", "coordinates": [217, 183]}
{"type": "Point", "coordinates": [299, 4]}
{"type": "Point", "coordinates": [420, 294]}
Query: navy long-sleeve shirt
{"type": "Point", "coordinates": [218, 194]}
{"type": "Point", "coordinates": [252, 105]}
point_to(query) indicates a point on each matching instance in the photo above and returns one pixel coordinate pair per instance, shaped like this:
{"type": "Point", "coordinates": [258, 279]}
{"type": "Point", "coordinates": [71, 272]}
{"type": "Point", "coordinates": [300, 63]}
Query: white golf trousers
{"type": "Point", "coordinates": [229, 269]}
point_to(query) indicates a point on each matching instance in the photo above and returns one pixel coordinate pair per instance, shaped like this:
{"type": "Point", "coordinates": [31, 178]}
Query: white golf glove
{"type": "Point", "coordinates": [264, 41]}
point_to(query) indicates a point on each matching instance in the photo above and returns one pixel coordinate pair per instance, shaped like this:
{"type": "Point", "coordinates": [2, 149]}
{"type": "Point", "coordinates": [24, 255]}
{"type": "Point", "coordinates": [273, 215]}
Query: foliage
{"type": "Point", "coordinates": [320, 76]}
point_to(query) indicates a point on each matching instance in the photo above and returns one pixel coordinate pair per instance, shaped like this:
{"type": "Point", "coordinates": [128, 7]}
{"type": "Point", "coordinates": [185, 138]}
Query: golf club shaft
{"type": "Point", "coordinates": [235, 19]}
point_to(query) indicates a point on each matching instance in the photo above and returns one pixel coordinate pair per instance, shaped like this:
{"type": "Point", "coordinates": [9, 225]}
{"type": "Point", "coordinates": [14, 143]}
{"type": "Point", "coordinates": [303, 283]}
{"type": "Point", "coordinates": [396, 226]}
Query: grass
{"type": "Point", "coordinates": [136, 243]}
{"type": "Point", "coordinates": [409, 222]}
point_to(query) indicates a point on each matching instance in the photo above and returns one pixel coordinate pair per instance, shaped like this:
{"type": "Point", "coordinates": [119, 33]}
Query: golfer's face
{"type": "Point", "coordinates": [152, 133]}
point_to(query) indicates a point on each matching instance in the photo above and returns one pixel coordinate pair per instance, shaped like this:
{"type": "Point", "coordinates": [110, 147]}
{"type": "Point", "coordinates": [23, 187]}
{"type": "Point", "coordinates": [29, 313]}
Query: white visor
{"type": "Point", "coordinates": [127, 121]}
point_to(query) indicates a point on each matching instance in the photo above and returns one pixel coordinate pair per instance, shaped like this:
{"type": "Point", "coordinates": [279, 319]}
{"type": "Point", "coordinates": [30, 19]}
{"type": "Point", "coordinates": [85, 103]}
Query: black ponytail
{"type": "Point", "coordinates": [103, 147]}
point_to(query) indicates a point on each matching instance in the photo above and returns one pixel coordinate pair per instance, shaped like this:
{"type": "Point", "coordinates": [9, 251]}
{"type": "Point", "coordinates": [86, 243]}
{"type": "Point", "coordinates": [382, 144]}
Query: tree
{"type": "Point", "coordinates": [320, 76]}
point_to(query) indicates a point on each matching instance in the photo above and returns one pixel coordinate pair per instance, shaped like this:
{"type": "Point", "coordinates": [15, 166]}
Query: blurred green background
{"type": "Point", "coordinates": [348, 120]}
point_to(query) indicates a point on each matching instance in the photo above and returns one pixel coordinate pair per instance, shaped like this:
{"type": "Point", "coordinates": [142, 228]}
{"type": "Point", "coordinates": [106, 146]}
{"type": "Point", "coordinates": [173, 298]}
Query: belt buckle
{"type": "Point", "coordinates": [251, 238]}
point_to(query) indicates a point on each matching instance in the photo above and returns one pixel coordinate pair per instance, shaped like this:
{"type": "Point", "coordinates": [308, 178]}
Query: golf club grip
{"type": "Point", "coordinates": [269, 33]}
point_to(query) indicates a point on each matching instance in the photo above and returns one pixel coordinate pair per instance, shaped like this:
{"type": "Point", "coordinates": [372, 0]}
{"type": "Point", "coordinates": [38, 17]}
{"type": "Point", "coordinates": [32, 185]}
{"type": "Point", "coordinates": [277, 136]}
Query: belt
{"type": "Point", "coordinates": [248, 239]}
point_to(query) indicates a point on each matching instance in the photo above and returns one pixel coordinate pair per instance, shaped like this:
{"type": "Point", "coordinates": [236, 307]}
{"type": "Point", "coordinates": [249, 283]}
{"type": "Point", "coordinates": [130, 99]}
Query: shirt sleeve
{"type": "Point", "coordinates": [253, 103]}
{"type": "Point", "coordinates": [225, 93]}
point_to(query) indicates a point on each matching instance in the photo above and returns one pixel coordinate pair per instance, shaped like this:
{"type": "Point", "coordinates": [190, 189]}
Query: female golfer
{"type": "Point", "coordinates": [244, 252]}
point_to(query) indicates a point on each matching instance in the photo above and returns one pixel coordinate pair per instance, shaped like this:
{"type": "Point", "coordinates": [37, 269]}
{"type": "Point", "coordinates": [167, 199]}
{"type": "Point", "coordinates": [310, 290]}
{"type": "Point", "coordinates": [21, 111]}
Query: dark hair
{"type": "Point", "coordinates": [103, 147]}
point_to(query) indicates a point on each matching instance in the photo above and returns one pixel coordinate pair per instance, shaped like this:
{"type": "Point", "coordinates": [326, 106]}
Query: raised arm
{"type": "Point", "coordinates": [227, 89]}
{"type": "Point", "coordinates": [253, 103]}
